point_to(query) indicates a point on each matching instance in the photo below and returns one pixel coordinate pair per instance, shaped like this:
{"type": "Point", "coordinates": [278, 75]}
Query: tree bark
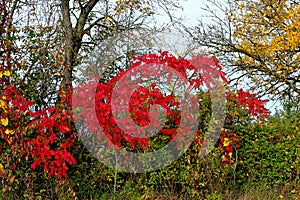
{"type": "Point", "coordinates": [73, 39]}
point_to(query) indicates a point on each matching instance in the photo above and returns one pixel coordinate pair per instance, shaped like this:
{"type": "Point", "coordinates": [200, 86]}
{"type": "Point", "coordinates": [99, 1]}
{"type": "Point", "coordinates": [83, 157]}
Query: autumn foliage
{"type": "Point", "coordinates": [143, 98]}
{"type": "Point", "coordinates": [43, 138]}
{"type": "Point", "coordinates": [258, 41]}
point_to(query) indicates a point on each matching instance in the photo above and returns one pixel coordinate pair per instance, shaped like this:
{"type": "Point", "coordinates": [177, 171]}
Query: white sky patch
{"type": "Point", "coordinates": [192, 11]}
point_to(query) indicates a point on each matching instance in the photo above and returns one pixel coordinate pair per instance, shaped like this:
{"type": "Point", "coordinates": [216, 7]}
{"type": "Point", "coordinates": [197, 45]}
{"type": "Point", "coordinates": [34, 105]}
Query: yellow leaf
{"type": "Point", "coordinates": [2, 104]}
{"type": "Point", "coordinates": [8, 132]}
{"type": "Point", "coordinates": [26, 195]}
{"type": "Point", "coordinates": [223, 157]}
{"type": "Point", "coordinates": [7, 73]}
{"type": "Point", "coordinates": [106, 18]}
{"type": "Point", "coordinates": [42, 190]}
{"type": "Point", "coordinates": [4, 121]}
{"type": "Point", "coordinates": [226, 142]}
{"type": "Point", "coordinates": [0, 74]}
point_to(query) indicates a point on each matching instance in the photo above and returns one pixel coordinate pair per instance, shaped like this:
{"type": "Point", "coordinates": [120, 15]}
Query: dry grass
{"type": "Point", "coordinates": [255, 193]}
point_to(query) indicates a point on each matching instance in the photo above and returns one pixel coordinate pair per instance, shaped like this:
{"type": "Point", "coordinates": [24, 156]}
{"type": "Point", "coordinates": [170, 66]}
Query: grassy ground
{"type": "Point", "coordinates": [292, 191]}
{"type": "Point", "coordinates": [255, 193]}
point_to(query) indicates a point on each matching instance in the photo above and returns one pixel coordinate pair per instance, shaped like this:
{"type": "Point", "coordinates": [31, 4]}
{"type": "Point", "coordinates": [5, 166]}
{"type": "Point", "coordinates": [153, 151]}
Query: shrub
{"type": "Point", "coordinates": [270, 151]}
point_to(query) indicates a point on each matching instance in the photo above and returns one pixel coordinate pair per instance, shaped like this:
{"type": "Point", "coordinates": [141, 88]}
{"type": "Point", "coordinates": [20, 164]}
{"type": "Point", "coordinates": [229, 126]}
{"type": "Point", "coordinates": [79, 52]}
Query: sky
{"type": "Point", "coordinates": [192, 10]}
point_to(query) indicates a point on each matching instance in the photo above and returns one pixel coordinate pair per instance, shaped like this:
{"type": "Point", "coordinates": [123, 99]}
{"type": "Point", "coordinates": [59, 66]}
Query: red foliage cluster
{"type": "Point", "coordinates": [50, 146]}
{"type": "Point", "coordinates": [228, 140]}
{"type": "Point", "coordinates": [46, 138]}
{"type": "Point", "coordinates": [143, 98]}
{"type": "Point", "coordinates": [250, 101]}
{"type": "Point", "coordinates": [205, 71]}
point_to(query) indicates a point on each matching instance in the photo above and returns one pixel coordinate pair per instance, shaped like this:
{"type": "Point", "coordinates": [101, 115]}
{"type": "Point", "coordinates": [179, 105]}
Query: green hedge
{"type": "Point", "coordinates": [270, 152]}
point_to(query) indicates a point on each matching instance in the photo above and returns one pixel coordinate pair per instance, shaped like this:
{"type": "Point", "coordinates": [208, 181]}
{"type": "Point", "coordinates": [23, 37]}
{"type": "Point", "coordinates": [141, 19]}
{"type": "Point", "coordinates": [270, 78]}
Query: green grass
{"type": "Point", "coordinates": [260, 192]}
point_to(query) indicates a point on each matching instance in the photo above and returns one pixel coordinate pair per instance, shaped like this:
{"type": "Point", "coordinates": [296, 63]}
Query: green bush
{"type": "Point", "coordinates": [270, 152]}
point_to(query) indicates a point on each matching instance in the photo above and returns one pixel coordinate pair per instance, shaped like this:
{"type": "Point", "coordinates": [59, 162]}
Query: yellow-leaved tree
{"type": "Point", "coordinates": [257, 41]}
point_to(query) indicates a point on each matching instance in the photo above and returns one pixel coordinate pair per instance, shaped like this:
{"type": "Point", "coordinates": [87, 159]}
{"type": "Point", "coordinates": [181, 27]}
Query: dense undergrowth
{"type": "Point", "coordinates": [266, 166]}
